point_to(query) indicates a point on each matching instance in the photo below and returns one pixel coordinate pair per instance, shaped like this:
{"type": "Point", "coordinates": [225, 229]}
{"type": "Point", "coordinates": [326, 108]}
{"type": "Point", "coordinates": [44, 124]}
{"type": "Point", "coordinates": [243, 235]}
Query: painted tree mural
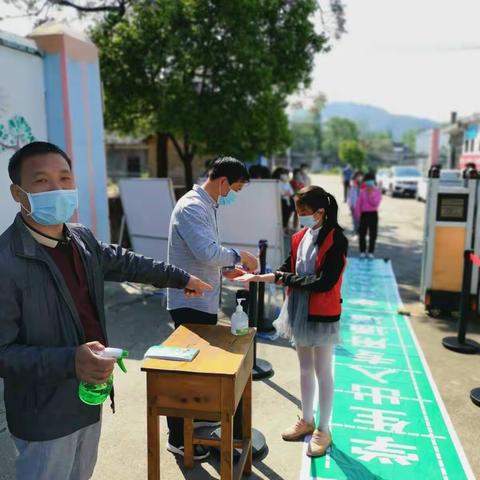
{"type": "Point", "coordinates": [16, 133]}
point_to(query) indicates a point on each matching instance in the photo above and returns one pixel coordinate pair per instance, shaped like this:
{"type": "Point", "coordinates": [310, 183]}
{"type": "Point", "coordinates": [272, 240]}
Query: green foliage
{"type": "Point", "coordinates": [307, 136]}
{"type": "Point", "coordinates": [351, 152]}
{"type": "Point", "coordinates": [377, 142]}
{"type": "Point", "coordinates": [304, 138]}
{"type": "Point", "coordinates": [335, 131]}
{"type": "Point", "coordinates": [213, 75]}
{"type": "Point", "coordinates": [409, 138]}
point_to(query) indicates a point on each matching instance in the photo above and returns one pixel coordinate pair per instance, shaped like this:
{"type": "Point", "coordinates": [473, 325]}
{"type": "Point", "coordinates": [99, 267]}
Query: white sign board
{"type": "Point", "coordinates": [148, 205]}
{"type": "Point", "coordinates": [255, 215]}
{"type": "Point", "coordinates": [22, 114]}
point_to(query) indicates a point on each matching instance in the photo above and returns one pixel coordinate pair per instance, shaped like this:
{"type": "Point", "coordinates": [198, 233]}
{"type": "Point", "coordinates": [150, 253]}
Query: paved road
{"type": "Point", "coordinates": [135, 322]}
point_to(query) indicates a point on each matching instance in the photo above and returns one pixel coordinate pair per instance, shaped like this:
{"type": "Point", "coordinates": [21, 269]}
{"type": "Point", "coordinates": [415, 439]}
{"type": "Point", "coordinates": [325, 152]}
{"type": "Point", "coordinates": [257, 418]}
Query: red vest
{"type": "Point", "coordinates": [323, 304]}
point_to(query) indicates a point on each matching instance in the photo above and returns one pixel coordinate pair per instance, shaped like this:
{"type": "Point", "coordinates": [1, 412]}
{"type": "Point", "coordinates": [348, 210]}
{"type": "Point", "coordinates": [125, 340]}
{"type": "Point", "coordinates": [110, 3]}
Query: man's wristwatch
{"type": "Point", "coordinates": [278, 277]}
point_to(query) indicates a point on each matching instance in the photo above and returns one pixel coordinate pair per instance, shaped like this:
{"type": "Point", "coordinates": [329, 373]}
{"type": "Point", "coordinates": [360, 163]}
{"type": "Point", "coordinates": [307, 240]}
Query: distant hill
{"type": "Point", "coordinates": [370, 118]}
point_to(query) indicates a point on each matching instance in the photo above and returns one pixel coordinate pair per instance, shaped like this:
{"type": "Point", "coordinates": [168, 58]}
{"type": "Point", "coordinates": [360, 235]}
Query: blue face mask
{"type": "Point", "coordinates": [229, 199]}
{"type": "Point", "coordinates": [52, 208]}
{"type": "Point", "coordinates": [307, 221]}
{"type": "Point", "coordinates": [370, 183]}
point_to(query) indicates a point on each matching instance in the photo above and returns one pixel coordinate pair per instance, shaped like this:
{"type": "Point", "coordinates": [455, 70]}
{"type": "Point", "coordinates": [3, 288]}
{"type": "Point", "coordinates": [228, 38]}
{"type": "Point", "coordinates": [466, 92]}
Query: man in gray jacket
{"type": "Point", "coordinates": [52, 318]}
{"type": "Point", "coordinates": [194, 243]}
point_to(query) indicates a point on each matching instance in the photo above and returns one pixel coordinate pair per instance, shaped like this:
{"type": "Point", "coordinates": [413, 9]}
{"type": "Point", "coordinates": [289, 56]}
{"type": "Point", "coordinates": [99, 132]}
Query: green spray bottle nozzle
{"type": "Point", "coordinates": [117, 353]}
{"type": "Point", "coordinates": [97, 394]}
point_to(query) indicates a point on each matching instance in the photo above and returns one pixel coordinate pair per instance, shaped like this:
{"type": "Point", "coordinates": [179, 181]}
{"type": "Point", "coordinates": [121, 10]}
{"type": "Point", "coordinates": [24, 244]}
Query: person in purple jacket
{"type": "Point", "coordinates": [353, 194]}
{"type": "Point", "coordinates": [366, 213]}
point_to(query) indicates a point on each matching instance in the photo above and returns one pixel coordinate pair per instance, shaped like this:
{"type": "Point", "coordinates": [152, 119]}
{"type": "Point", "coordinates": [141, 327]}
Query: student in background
{"type": "Point", "coordinates": [366, 212]}
{"type": "Point", "coordinates": [297, 184]}
{"type": "Point", "coordinates": [353, 195]}
{"type": "Point", "coordinates": [305, 175]}
{"type": "Point", "coordinates": [347, 174]}
{"type": "Point", "coordinates": [297, 180]}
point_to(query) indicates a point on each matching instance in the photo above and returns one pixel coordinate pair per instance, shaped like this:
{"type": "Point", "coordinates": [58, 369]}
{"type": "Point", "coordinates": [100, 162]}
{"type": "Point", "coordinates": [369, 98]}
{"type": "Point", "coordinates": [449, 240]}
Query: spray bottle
{"type": "Point", "coordinates": [239, 321]}
{"type": "Point", "coordinates": [97, 394]}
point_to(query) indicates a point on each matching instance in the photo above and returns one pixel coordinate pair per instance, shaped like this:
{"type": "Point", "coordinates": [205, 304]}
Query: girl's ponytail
{"type": "Point", "coordinates": [332, 210]}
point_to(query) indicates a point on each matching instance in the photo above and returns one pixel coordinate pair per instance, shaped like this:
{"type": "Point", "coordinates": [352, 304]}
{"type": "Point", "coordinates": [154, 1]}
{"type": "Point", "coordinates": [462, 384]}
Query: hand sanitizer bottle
{"type": "Point", "coordinates": [239, 322]}
{"type": "Point", "coordinates": [97, 394]}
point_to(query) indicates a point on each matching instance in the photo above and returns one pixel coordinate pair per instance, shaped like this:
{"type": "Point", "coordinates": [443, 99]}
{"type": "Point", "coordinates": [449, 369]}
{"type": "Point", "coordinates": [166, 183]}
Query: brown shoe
{"type": "Point", "coordinates": [298, 431]}
{"type": "Point", "coordinates": [319, 444]}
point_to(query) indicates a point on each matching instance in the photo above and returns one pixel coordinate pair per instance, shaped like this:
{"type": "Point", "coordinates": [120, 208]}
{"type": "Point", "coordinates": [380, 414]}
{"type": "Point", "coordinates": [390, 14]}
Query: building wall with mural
{"type": "Point", "coordinates": [51, 91]}
{"type": "Point", "coordinates": [22, 109]}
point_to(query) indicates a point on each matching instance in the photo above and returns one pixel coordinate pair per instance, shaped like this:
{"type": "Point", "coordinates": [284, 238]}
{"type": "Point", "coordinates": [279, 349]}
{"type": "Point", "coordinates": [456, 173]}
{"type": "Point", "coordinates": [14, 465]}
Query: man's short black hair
{"type": "Point", "coordinates": [30, 150]}
{"type": "Point", "coordinates": [229, 167]}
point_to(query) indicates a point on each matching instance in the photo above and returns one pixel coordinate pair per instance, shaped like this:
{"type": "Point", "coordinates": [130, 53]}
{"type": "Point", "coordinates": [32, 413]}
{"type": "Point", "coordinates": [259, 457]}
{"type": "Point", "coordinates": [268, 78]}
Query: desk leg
{"type": "Point", "coordinates": [226, 449]}
{"type": "Point", "coordinates": [247, 423]}
{"type": "Point", "coordinates": [153, 444]}
{"type": "Point", "coordinates": [188, 442]}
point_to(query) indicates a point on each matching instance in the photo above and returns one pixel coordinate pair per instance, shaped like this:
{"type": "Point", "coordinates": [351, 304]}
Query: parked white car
{"type": "Point", "coordinates": [402, 181]}
{"type": "Point", "coordinates": [422, 189]}
{"type": "Point", "coordinates": [381, 178]}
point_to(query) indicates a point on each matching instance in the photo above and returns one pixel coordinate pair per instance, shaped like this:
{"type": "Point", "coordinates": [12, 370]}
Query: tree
{"type": "Point", "coordinates": [351, 152]}
{"type": "Point", "coordinates": [318, 105]}
{"type": "Point", "coordinates": [213, 76]}
{"type": "Point", "coordinates": [332, 12]}
{"type": "Point", "coordinates": [304, 139]}
{"type": "Point", "coordinates": [335, 131]}
{"type": "Point", "coordinates": [409, 138]}
{"type": "Point", "coordinates": [336, 15]}
{"type": "Point", "coordinates": [44, 10]}
{"type": "Point", "coordinates": [377, 142]}
{"type": "Point", "coordinates": [307, 135]}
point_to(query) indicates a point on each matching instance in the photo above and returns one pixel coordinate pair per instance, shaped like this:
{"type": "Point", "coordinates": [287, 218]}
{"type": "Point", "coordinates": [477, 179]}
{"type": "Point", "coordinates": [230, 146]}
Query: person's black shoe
{"type": "Point", "coordinates": [199, 451]}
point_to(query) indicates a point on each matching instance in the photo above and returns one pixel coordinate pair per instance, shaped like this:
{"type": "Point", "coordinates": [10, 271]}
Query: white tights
{"type": "Point", "coordinates": [316, 362]}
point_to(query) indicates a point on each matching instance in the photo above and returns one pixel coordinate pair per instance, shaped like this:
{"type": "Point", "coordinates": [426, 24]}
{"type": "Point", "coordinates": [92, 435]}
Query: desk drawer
{"type": "Point", "coordinates": [184, 391]}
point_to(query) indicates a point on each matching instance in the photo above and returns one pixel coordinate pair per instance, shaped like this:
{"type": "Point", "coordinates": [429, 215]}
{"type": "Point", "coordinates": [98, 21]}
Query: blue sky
{"type": "Point", "coordinates": [418, 57]}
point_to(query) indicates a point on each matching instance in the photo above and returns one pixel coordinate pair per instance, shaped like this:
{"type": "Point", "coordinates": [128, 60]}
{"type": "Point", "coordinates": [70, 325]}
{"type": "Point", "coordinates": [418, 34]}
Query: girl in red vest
{"type": "Point", "coordinates": [310, 315]}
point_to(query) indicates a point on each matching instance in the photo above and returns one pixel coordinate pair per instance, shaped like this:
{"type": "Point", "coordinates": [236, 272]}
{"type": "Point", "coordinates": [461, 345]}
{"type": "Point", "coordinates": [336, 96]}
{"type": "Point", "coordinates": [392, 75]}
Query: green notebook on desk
{"type": "Point", "coordinates": [163, 352]}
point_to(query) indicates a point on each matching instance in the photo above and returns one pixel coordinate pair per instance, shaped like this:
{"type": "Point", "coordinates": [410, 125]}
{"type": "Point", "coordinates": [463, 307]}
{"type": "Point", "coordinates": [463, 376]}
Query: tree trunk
{"type": "Point", "coordinates": [187, 163]}
{"type": "Point", "coordinates": [162, 155]}
{"type": "Point", "coordinates": [187, 155]}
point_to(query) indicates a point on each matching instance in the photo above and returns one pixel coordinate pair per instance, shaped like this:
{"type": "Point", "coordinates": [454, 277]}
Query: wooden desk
{"type": "Point", "coordinates": [210, 387]}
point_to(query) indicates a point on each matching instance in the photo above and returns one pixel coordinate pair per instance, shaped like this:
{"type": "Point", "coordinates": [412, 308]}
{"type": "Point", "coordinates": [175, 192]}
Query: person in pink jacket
{"type": "Point", "coordinates": [366, 213]}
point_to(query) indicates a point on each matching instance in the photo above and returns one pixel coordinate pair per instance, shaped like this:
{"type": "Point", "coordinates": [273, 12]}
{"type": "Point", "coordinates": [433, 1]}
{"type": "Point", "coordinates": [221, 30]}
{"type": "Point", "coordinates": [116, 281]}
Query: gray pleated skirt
{"type": "Point", "coordinates": [293, 324]}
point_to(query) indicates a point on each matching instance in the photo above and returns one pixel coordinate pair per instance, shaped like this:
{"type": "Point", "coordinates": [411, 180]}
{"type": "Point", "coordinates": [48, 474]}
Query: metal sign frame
{"type": "Point", "coordinates": [468, 187]}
